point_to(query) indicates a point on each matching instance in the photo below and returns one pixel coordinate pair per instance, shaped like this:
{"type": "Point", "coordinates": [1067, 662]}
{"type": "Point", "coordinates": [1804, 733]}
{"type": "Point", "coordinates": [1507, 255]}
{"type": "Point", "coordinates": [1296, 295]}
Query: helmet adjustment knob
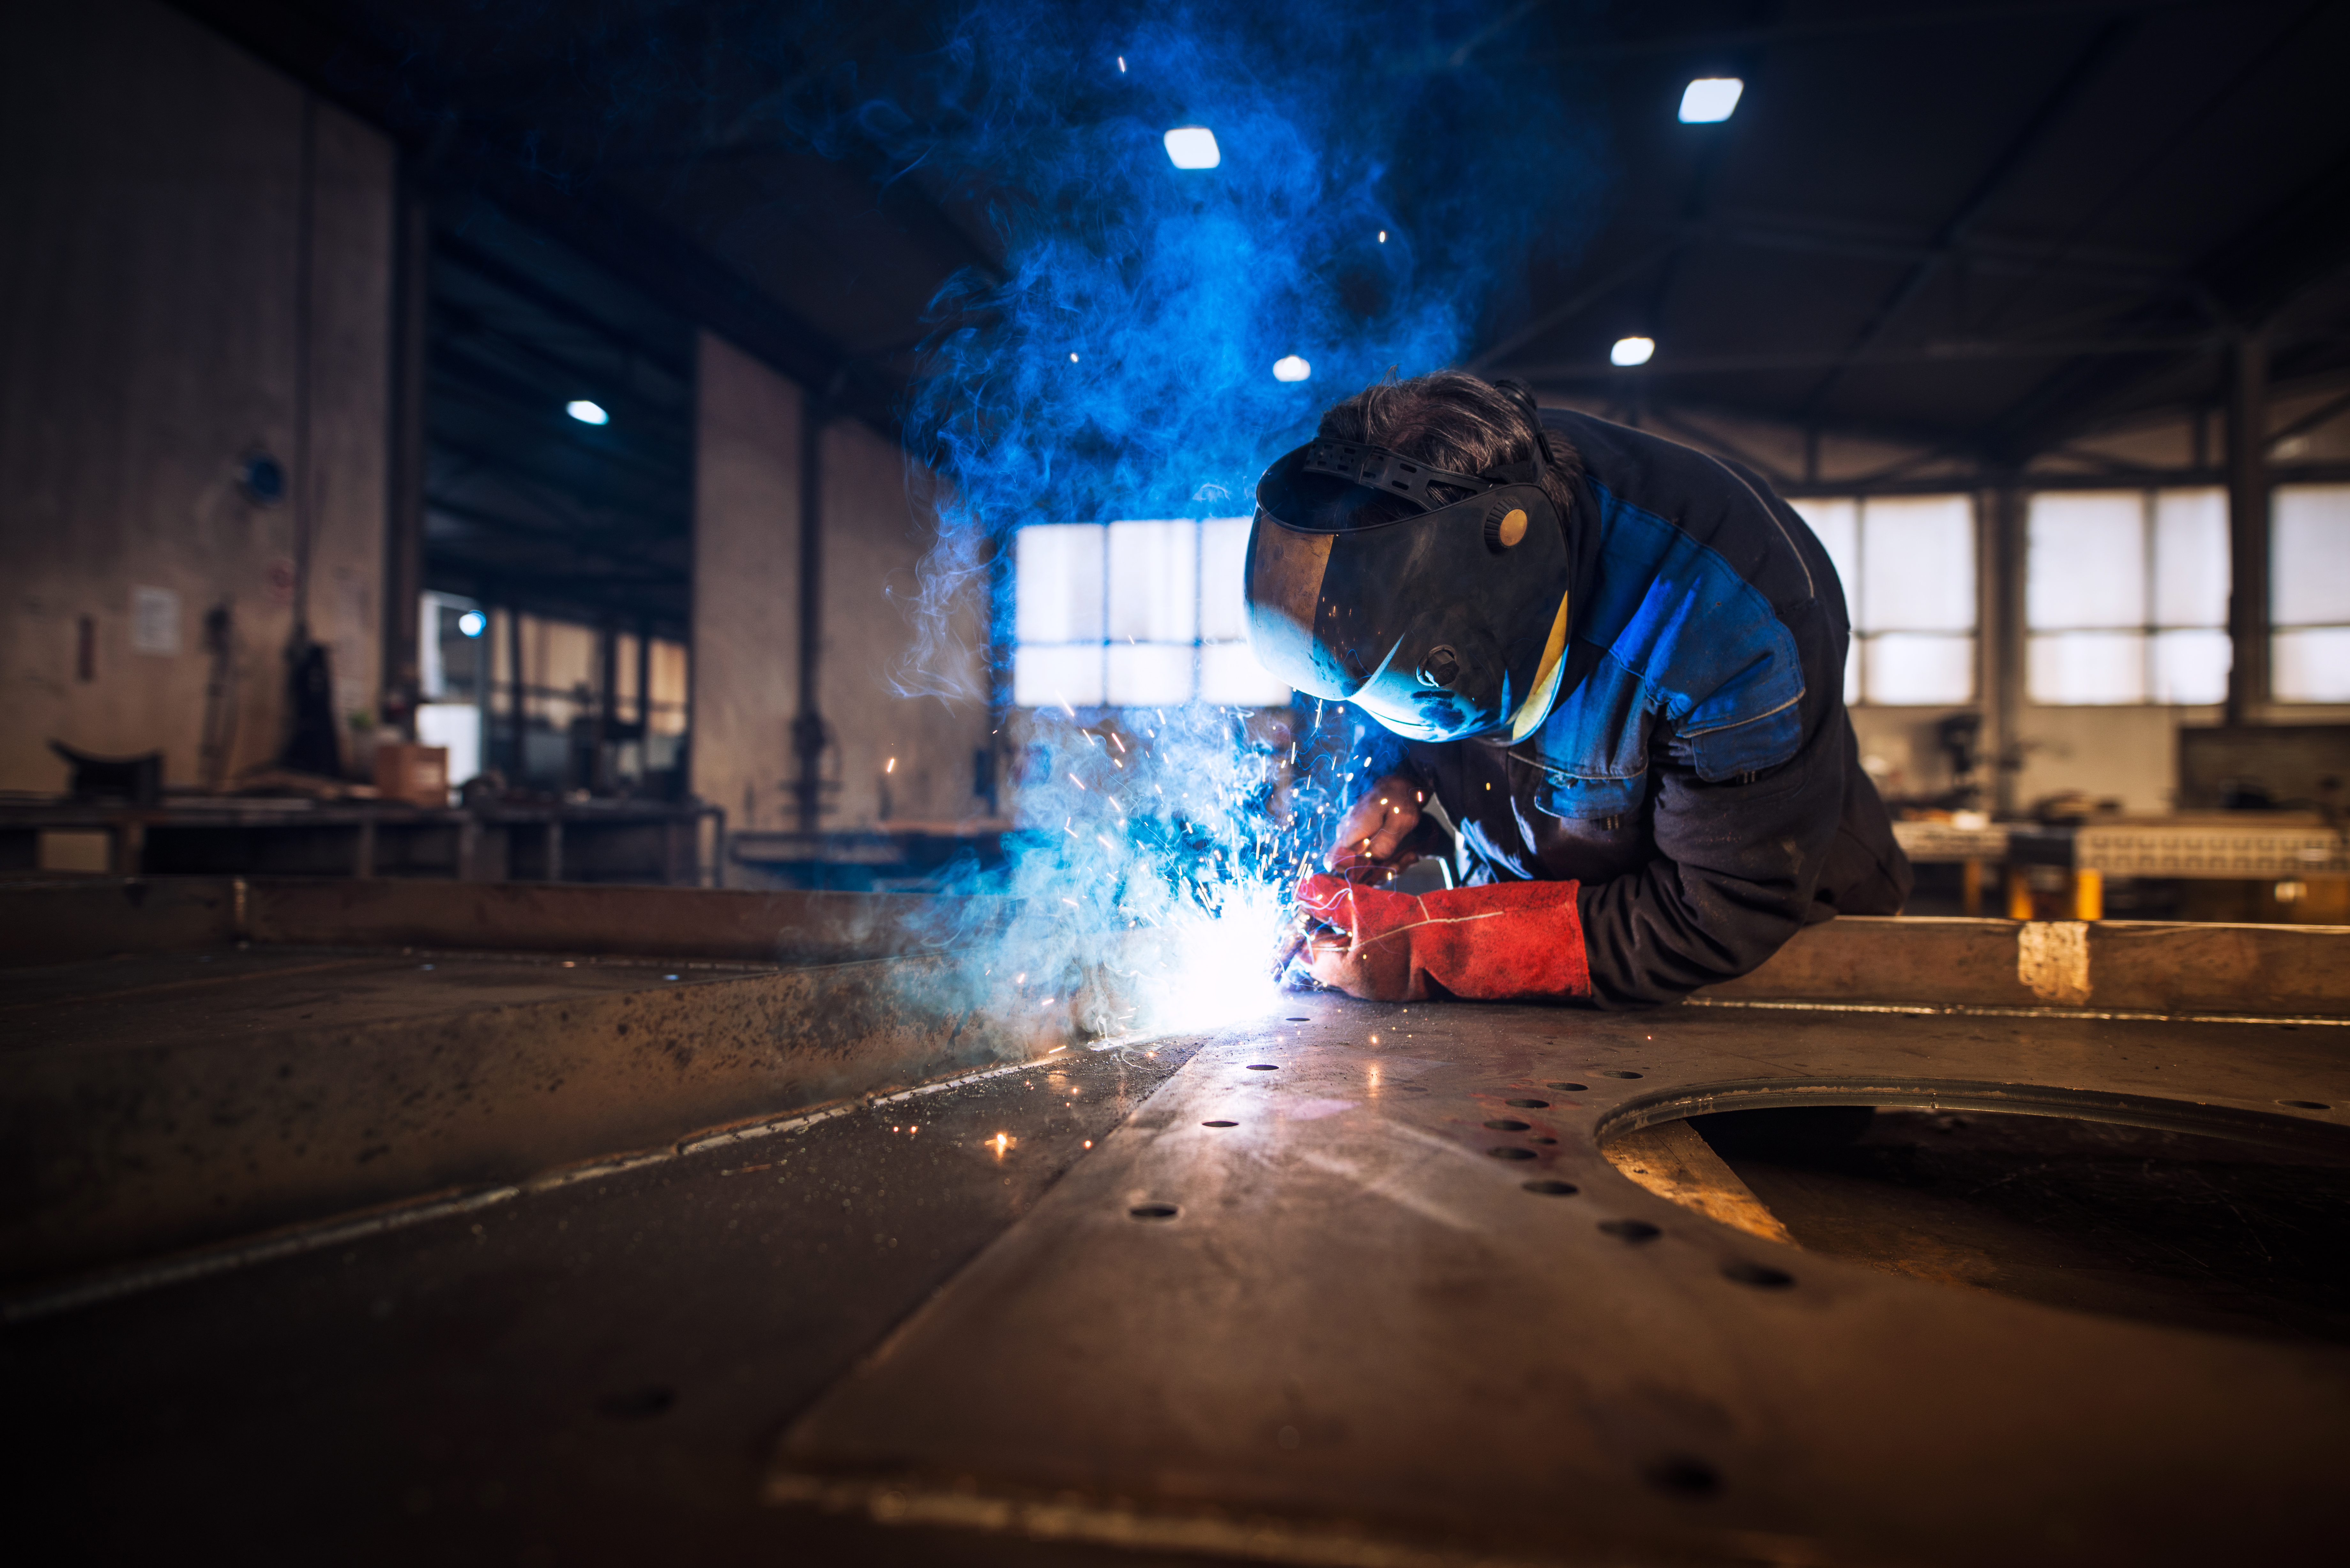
{"type": "Point", "coordinates": [1504, 526]}
{"type": "Point", "coordinates": [1441, 667]}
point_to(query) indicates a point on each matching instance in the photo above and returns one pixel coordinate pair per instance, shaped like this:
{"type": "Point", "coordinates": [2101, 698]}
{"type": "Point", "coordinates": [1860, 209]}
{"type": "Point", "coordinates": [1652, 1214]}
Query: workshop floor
{"type": "Point", "coordinates": [601, 1373]}
{"type": "Point", "coordinates": [593, 1374]}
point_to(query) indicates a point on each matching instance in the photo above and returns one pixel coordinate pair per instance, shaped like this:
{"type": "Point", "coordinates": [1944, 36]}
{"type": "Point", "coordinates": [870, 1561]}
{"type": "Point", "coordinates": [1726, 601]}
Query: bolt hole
{"type": "Point", "coordinates": [1630, 1230]}
{"type": "Point", "coordinates": [1503, 1123]}
{"type": "Point", "coordinates": [2306, 1104]}
{"type": "Point", "coordinates": [1264, 1066]}
{"type": "Point", "coordinates": [1617, 1073]}
{"type": "Point", "coordinates": [1539, 1139]}
{"type": "Point", "coordinates": [1297, 1020]}
{"type": "Point", "coordinates": [1684, 1477]}
{"type": "Point", "coordinates": [1528, 1105]}
{"type": "Point", "coordinates": [1509, 1152]}
{"type": "Point", "coordinates": [1152, 1211]}
{"type": "Point", "coordinates": [637, 1403]}
{"type": "Point", "coordinates": [1220, 1124]}
{"type": "Point", "coordinates": [1761, 1274]}
{"type": "Point", "coordinates": [1570, 1089]}
{"type": "Point", "coordinates": [1552, 1189]}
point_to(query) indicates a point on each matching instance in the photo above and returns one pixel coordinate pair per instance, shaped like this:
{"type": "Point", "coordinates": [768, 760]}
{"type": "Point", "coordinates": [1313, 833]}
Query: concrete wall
{"type": "Point", "coordinates": [152, 185]}
{"type": "Point", "coordinates": [746, 617]}
{"type": "Point", "coordinates": [877, 527]}
{"type": "Point", "coordinates": [746, 529]}
{"type": "Point", "coordinates": [2130, 754]}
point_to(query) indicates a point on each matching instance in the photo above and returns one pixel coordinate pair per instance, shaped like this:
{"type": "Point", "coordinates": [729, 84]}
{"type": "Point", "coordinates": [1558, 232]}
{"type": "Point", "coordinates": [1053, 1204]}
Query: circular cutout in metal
{"type": "Point", "coordinates": [1552, 1189]}
{"type": "Point", "coordinates": [1505, 1124]}
{"type": "Point", "coordinates": [1570, 1089]}
{"type": "Point", "coordinates": [1629, 1229]}
{"type": "Point", "coordinates": [1220, 1124]}
{"type": "Point", "coordinates": [1510, 1151]}
{"type": "Point", "coordinates": [1528, 1105]}
{"type": "Point", "coordinates": [1153, 1211]}
{"type": "Point", "coordinates": [1617, 1073]}
{"type": "Point", "coordinates": [1264, 1066]}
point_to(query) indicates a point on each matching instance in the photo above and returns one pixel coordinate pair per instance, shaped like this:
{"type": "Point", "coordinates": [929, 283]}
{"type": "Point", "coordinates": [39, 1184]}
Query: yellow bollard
{"type": "Point", "coordinates": [2088, 894]}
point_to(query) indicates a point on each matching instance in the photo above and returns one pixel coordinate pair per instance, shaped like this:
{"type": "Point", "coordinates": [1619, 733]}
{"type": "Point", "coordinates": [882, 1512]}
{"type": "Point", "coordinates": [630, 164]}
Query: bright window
{"type": "Point", "coordinates": [1140, 614]}
{"type": "Point", "coordinates": [1907, 565]}
{"type": "Point", "coordinates": [2125, 596]}
{"type": "Point", "coordinates": [2309, 595]}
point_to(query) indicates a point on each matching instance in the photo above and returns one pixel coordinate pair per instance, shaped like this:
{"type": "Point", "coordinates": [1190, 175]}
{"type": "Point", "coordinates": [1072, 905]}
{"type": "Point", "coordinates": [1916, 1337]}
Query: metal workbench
{"type": "Point", "coordinates": [583, 841]}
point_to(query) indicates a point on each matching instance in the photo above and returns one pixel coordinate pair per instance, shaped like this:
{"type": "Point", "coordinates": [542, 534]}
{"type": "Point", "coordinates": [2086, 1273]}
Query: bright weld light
{"type": "Point", "coordinates": [1121, 64]}
{"type": "Point", "coordinates": [586, 412]}
{"type": "Point", "coordinates": [473, 623]}
{"type": "Point", "coordinates": [1383, 236]}
{"type": "Point", "coordinates": [891, 767]}
{"type": "Point", "coordinates": [1709, 100]}
{"type": "Point", "coordinates": [1194, 147]}
{"type": "Point", "coordinates": [1290, 368]}
{"type": "Point", "coordinates": [1632, 351]}
{"type": "Point", "coordinates": [1072, 356]}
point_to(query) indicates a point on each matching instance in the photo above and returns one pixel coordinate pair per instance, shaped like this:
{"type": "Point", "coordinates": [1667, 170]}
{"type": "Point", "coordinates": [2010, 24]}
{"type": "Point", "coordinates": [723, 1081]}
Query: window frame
{"type": "Point", "coordinates": [1198, 644]}
{"type": "Point", "coordinates": [2149, 628]}
{"type": "Point", "coordinates": [1856, 672]}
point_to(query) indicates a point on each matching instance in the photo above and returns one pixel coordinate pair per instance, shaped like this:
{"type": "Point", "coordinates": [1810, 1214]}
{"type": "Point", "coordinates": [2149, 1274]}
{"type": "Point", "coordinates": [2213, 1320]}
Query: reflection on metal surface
{"type": "Point", "coordinates": [1359, 1337]}
{"type": "Point", "coordinates": [1673, 1162]}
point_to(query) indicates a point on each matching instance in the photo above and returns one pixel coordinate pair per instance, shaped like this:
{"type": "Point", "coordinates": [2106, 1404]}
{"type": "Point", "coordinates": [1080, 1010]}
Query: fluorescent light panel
{"type": "Point", "coordinates": [1709, 100]}
{"type": "Point", "coordinates": [1194, 147]}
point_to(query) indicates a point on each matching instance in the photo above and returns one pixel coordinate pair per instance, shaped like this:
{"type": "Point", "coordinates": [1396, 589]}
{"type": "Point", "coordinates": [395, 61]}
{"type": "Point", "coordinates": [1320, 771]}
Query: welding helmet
{"type": "Point", "coordinates": [1447, 621]}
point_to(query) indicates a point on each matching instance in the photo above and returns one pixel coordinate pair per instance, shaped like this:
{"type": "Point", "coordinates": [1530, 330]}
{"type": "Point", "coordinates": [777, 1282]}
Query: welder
{"type": "Point", "coordinates": [1611, 665]}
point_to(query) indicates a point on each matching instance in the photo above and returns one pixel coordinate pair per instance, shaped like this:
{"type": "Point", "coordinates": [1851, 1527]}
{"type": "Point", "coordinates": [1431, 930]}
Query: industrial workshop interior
{"type": "Point", "coordinates": [1383, 783]}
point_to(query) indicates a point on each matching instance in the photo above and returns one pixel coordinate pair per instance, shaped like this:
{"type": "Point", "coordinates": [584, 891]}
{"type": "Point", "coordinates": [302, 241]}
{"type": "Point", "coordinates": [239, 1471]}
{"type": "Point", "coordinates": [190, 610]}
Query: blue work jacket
{"type": "Point", "coordinates": [1697, 773]}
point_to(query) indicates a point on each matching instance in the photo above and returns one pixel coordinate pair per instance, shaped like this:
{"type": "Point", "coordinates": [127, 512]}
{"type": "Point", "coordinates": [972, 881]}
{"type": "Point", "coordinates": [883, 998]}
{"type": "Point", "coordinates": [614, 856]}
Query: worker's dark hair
{"type": "Point", "coordinates": [1455, 421]}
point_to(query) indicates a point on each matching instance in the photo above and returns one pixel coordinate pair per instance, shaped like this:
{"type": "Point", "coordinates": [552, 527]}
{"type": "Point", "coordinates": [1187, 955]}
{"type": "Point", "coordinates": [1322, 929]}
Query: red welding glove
{"type": "Point", "coordinates": [1504, 942]}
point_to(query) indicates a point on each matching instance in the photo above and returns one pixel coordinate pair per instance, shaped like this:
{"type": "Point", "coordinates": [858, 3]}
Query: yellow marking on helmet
{"type": "Point", "coordinates": [1537, 707]}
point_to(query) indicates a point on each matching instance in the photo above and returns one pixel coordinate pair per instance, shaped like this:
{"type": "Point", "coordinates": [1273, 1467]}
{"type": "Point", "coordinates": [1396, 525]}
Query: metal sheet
{"type": "Point", "coordinates": [1342, 1328]}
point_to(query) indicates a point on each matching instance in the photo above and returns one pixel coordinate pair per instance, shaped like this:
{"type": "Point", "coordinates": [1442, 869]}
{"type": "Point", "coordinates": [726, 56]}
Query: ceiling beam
{"type": "Point", "coordinates": [1859, 23]}
{"type": "Point", "coordinates": [2296, 248]}
{"type": "Point", "coordinates": [472, 147]}
{"type": "Point", "coordinates": [2055, 106]}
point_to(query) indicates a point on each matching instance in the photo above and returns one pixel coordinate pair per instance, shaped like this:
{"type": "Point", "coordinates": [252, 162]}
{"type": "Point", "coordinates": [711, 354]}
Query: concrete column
{"type": "Point", "coordinates": [403, 566]}
{"type": "Point", "coordinates": [746, 516]}
{"type": "Point", "coordinates": [2003, 639]}
{"type": "Point", "coordinates": [2248, 530]}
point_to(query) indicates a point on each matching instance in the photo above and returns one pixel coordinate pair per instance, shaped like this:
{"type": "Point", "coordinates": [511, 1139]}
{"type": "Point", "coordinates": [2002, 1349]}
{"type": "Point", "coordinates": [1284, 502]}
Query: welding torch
{"type": "Point", "coordinates": [1371, 850]}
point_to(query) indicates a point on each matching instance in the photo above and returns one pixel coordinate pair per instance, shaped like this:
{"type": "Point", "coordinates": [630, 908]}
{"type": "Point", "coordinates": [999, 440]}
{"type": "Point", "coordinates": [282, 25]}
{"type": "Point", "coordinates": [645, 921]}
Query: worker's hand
{"type": "Point", "coordinates": [1512, 939]}
{"type": "Point", "coordinates": [1373, 831]}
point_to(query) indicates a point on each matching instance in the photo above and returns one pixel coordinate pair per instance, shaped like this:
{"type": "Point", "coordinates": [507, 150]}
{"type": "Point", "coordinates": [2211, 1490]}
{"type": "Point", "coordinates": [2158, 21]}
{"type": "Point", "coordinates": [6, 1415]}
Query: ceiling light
{"type": "Point", "coordinates": [1290, 368]}
{"type": "Point", "coordinates": [473, 623]}
{"type": "Point", "coordinates": [586, 412]}
{"type": "Point", "coordinates": [1194, 147]}
{"type": "Point", "coordinates": [1632, 351]}
{"type": "Point", "coordinates": [1708, 101]}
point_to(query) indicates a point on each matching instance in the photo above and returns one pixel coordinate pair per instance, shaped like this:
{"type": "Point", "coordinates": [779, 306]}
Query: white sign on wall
{"type": "Point", "coordinates": [154, 620]}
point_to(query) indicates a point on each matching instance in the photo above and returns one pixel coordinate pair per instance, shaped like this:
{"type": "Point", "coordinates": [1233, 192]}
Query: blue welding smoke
{"type": "Point", "coordinates": [1385, 176]}
{"type": "Point", "coordinates": [1385, 179]}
